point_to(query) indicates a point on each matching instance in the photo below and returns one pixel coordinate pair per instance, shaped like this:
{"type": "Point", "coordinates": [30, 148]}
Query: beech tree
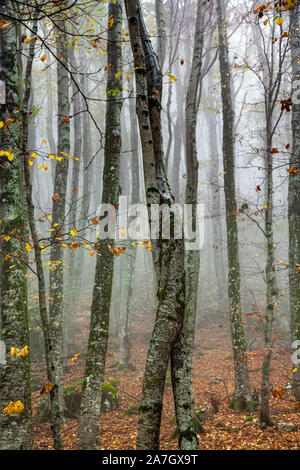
{"type": "Point", "coordinates": [15, 395]}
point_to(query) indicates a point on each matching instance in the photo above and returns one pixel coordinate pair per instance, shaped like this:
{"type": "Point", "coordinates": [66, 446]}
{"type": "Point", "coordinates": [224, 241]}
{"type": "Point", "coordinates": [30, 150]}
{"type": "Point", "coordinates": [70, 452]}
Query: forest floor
{"type": "Point", "coordinates": [213, 381]}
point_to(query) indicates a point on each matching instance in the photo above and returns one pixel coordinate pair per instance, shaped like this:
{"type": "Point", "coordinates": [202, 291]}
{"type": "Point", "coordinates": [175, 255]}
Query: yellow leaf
{"type": "Point", "coordinates": [14, 352]}
{"type": "Point", "coordinates": [51, 156]}
{"type": "Point", "coordinates": [117, 74]}
{"type": "Point", "coordinates": [279, 20]}
{"type": "Point", "coordinates": [30, 162]}
{"type": "Point", "coordinates": [33, 155]}
{"type": "Point", "coordinates": [4, 24]}
{"type": "Point", "coordinates": [1, 124]}
{"type": "Point", "coordinates": [28, 247]}
{"type": "Point", "coordinates": [43, 58]}
{"type": "Point", "coordinates": [44, 141]}
{"type": "Point", "coordinates": [27, 40]}
{"type": "Point", "coordinates": [122, 232]}
{"type": "Point", "coordinates": [24, 351]}
{"type": "Point", "coordinates": [171, 77]}
{"type": "Point", "coordinates": [91, 253]}
{"type": "Point", "coordinates": [73, 232]}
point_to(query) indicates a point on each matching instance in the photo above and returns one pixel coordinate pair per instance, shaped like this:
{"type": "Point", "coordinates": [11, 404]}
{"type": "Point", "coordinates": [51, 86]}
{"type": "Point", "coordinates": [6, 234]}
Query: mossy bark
{"type": "Point", "coordinates": [182, 350]}
{"type": "Point", "coordinates": [16, 431]}
{"type": "Point", "coordinates": [168, 255]}
{"type": "Point", "coordinates": [58, 213]}
{"type": "Point", "coordinates": [294, 195]}
{"type": "Point", "coordinates": [50, 363]}
{"type": "Point", "coordinates": [88, 427]}
{"type": "Point", "coordinates": [242, 393]}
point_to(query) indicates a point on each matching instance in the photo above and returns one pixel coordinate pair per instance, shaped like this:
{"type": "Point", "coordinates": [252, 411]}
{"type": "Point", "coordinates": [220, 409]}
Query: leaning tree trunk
{"type": "Point", "coordinates": [16, 431]}
{"type": "Point", "coordinates": [168, 255]}
{"type": "Point", "coordinates": [294, 195]}
{"type": "Point", "coordinates": [90, 409]}
{"type": "Point", "coordinates": [58, 213]}
{"type": "Point", "coordinates": [242, 393]}
{"type": "Point", "coordinates": [182, 350]}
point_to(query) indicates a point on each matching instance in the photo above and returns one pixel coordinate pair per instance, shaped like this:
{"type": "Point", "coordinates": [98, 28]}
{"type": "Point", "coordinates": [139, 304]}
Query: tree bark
{"type": "Point", "coordinates": [16, 432]}
{"type": "Point", "coordinates": [88, 428]}
{"type": "Point", "coordinates": [56, 313]}
{"type": "Point", "coordinates": [242, 393]}
{"type": "Point", "coordinates": [168, 255]}
{"type": "Point", "coordinates": [294, 195]}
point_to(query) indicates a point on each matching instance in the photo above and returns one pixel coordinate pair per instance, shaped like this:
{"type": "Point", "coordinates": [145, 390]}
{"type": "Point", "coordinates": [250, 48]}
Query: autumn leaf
{"type": "Point", "coordinates": [28, 247]}
{"type": "Point", "coordinates": [292, 171]}
{"type": "Point", "coordinates": [48, 386]}
{"type": "Point", "coordinates": [74, 246]}
{"type": "Point", "coordinates": [279, 20]}
{"type": "Point", "coordinates": [278, 392]}
{"type": "Point", "coordinates": [73, 232]}
{"type": "Point", "coordinates": [4, 24]}
{"type": "Point", "coordinates": [91, 253]}
{"type": "Point", "coordinates": [107, 67]}
{"type": "Point", "coordinates": [27, 40]}
{"type": "Point", "coordinates": [65, 119]}
{"type": "Point", "coordinates": [14, 408]}
{"type": "Point", "coordinates": [95, 221]}
{"type": "Point", "coordinates": [8, 154]}
{"type": "Point", "coordinates": [43, 58]}
{"type": "Point", "coordinates": [14, 352]}
{"type": "Point", "coordinates": [55, 197]}
{"type": "Point", "coordinates": [75, 357]}
{"type": "Point", "coordinates": [24, 351]}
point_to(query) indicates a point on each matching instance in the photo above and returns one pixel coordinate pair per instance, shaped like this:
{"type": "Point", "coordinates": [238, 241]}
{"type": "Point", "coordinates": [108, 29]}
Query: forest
{"type": "Point", "coordinates": [149, 225]}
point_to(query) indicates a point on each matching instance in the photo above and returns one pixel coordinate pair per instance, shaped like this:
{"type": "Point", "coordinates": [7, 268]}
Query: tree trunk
{"type": "Point", "coordinates": [16, 431]}
{"type": "Point", "coordinates": [58, 214]}
{"type": "Point", "coordinates": [294, 195]}
{"type": "Point", "coordinates": [242, 393]}
{"type": "Point", "coordinates": [168, 255]}
{"type": "Point", "coordinates": [182, 350]}
{"type": "Point", "coordinates": [88, 427]}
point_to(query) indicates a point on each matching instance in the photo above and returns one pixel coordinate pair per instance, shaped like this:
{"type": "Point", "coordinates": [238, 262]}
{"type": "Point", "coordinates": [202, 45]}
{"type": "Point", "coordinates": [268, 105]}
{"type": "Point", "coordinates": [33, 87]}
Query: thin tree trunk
{"type": "Point", "coordinates": [90, 409]}
{"type": "Point", "coordinates": [50, 364]}
{"type": "Point", "coordinates": [294, 195]}
{"type": "Point", "coordinates": [56, 313]}
{"type": "Point", "coordinates": [242, 393]}
{"type": "Point", "coordinates": [182, 350]}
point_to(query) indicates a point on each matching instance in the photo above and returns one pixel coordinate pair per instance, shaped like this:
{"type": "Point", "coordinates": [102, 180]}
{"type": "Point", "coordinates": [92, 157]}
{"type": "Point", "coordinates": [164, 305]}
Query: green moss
{"type": "Point", "coordinates": [132, 410]}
